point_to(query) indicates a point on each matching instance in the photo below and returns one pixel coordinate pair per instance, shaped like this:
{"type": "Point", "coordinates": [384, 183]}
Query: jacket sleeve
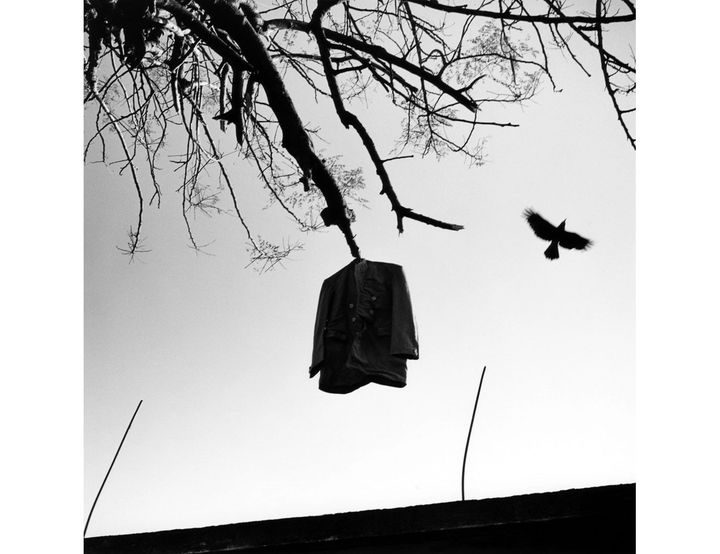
{"type": "Point", "coordinates": [319, 333]}
{"type": "Point", "coordinates": [403, 338]}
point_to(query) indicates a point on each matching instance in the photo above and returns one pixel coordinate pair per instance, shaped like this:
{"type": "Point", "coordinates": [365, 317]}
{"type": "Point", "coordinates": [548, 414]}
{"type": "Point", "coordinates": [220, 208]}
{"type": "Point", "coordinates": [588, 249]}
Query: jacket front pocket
{"type": "Point", "coordinates": [335, 334]}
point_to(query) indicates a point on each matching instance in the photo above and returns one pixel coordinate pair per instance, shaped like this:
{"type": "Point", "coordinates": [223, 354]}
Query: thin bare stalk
{"type": "Point", "coordinates": [92, 508]}
{"type": "Point", "coordinates": [467, 444]}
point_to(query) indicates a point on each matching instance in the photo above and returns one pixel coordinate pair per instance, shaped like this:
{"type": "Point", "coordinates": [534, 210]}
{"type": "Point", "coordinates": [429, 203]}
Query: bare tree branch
{"type": "Point", "coordinates": [508, 15]}
{"type": "Point", "coordinates": [349, 119]}
{"type": "Point", "coordinates": [163, 69]}
{"type": "Point", "coordinates": [611, 89]}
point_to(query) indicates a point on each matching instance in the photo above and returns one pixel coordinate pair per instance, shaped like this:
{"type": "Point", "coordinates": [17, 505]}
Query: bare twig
{"type": "Point", "coordinates": [608, 84]}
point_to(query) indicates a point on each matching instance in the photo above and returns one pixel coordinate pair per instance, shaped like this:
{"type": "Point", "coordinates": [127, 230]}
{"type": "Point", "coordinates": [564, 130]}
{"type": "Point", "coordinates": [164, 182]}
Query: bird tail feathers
{"type": "Point", "coordinates": [552, 251]}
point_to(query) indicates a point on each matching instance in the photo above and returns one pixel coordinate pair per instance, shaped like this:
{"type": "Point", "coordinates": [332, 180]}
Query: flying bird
{"type": "Point", "coordinates": [556, 235]}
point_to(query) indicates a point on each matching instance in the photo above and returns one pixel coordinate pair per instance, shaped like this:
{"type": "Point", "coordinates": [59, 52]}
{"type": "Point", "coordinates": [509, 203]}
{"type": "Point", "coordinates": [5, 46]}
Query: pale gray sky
{"type": "Point", "coordinates": [231, 428]}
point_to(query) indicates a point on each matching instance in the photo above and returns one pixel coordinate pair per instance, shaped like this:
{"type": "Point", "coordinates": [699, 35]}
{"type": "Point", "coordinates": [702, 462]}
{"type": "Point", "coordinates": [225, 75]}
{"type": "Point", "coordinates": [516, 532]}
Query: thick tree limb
{"type": "Point", "coordinates": [295, 139]}
{"type": "Point", "coordinates": [217, 44]}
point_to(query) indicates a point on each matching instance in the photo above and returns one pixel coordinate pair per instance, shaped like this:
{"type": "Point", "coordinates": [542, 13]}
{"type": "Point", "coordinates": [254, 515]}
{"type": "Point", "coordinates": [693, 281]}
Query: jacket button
{"type": "Point", "coordinates": [374, 298]}
{"type": "Point", "coordinates": [351, 306]}
{"type": "Point", "coordinates": [353, 319]}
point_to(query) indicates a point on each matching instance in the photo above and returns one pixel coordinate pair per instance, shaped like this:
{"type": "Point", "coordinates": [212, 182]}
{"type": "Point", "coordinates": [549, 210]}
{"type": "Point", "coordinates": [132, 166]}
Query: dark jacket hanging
{"type": "Point", "coordinates": [364, 328]}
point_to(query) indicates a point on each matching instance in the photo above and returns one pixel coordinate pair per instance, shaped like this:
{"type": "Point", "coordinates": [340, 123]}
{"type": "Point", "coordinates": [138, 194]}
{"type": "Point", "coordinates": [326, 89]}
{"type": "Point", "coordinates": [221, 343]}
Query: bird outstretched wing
{"type": "Point", "coordinates": [573, 240]}
{"type": "Point", "coordinates": [540, 226]}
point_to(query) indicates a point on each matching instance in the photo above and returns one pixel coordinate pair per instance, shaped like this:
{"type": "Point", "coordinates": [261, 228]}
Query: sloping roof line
{"type": "Point", "coordinates": [615, 501]}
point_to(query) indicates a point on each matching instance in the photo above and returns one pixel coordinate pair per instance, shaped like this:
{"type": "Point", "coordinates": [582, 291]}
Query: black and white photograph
{"type": "Point", "coordinates": [359, 276]}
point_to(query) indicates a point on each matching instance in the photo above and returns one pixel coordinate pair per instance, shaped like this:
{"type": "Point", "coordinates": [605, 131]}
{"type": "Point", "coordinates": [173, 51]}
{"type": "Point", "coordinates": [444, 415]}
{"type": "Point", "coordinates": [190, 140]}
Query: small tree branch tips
{"type": "Point", "coordinates": [158, 71]}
